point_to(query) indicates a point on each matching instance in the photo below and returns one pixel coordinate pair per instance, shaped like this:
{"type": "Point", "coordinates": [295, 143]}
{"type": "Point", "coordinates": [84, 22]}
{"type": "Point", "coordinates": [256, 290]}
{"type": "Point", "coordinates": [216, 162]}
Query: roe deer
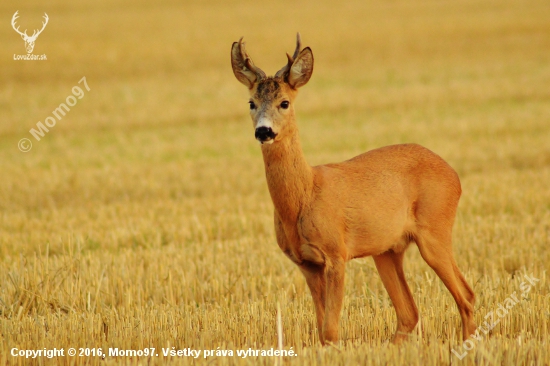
{"type": "Point", "coordinates": [375, 204]}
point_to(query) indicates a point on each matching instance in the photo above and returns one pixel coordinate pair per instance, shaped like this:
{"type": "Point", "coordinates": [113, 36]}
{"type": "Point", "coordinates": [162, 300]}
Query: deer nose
{"type": "Point", "coordinates": [264, 134]}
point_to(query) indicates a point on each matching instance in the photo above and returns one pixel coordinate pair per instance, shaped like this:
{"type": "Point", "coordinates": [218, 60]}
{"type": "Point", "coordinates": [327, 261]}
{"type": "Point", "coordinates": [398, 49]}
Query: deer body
{"type": "Point", "coordinates": [368, 203]}
{"type": "Point", "coordinates": [375, 204]}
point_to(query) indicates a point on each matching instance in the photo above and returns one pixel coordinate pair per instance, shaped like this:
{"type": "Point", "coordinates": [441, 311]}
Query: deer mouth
{"type": "Point", "coordinates": [265, 135]}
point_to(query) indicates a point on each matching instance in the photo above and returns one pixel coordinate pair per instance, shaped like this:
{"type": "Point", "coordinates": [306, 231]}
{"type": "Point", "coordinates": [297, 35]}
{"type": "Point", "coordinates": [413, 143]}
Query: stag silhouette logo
{"type": "Point", "coordinates": [29, 40]}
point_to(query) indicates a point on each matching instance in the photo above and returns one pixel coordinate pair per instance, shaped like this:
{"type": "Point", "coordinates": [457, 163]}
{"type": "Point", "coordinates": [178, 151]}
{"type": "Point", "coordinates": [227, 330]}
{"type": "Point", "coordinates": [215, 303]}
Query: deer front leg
{"type": "Point", "coordinates": [334, 276]}
{"type": "Point", "coordinates": [315, 278]}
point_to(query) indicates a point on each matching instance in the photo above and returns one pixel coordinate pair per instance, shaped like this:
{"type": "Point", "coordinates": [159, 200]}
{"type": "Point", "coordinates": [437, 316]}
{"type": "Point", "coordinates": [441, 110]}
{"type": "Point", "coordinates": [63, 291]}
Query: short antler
{"type": "Point", "coordinates": [13, 19]}
{"type": "Point", "coordinates": [248, 61]}
{"type": "Point", "coordinates": [286, 68]}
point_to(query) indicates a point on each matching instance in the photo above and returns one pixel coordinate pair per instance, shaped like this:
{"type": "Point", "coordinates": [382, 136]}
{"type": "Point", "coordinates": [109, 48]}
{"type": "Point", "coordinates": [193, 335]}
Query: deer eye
{"type": "Point", "coordinates": [252, 105]}
{"type": "Point", "coordinates": [285, 104]}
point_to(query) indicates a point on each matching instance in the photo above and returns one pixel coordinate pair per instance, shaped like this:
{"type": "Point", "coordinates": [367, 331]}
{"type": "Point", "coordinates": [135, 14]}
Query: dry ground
{"type": "Point", "coordinates": [142, 219]}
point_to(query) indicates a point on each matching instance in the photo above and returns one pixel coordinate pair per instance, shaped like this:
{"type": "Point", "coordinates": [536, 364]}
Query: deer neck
{"type": "Point", "coordinates": [289, 176]}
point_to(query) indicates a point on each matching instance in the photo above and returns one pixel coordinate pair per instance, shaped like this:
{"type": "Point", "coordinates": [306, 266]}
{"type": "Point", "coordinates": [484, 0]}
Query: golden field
{"type": "Point", "coordinates": [142, 218]}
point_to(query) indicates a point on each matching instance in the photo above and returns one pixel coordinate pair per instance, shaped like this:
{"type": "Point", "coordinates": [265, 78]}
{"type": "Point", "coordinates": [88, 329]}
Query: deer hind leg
{"type": "Point", "coordinates": [437, 252]}
{"type": "Point", "coordinates": [390, 268]}
{"type": "Point", "coordinates": [315, 278]}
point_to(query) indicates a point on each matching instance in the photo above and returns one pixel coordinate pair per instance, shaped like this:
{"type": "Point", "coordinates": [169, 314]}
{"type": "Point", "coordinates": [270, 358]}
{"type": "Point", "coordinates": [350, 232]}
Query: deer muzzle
{"type": "Point", "coordinates": [264, 134]}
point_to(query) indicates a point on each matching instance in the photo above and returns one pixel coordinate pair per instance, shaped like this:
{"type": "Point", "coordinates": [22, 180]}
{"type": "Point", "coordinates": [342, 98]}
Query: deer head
{"type": "Point", "coordinates": [29, 41]}
{"type": "Point", "coordinates": [272, 98]}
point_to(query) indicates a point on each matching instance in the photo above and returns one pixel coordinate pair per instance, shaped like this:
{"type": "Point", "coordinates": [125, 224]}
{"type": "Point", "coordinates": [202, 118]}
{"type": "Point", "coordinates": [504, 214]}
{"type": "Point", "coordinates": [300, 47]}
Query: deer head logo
{"type": "Point", "coordinates": [29, 40]}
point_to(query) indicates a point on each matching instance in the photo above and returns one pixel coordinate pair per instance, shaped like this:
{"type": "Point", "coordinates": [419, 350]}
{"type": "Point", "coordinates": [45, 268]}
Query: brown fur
{"type": "Point", "coordinates": [375, 204]}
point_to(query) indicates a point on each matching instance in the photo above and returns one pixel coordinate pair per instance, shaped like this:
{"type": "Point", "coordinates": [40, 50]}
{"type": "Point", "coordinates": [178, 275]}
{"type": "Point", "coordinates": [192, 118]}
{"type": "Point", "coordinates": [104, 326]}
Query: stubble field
{"type": "Point", "coordinates": [142, 218]}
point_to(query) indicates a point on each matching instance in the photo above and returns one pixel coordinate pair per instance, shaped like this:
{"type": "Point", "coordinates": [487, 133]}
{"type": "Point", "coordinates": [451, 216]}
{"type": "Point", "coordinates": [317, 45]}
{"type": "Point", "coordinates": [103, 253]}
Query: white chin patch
{"type": "Point", "coordinates": [265, 142]}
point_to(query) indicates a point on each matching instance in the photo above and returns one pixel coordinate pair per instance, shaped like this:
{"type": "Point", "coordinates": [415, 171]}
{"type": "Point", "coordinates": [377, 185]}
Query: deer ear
{"type": "Point", "coordinates": [301, 69]}
{"type": "Point", "coordinates": [240, 64]}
